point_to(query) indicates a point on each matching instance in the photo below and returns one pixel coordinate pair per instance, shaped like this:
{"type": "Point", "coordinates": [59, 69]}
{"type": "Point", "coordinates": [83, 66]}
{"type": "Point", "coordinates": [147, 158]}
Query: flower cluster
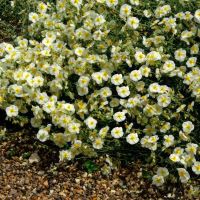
{"type": "Point", "coordinates": [95, 73]}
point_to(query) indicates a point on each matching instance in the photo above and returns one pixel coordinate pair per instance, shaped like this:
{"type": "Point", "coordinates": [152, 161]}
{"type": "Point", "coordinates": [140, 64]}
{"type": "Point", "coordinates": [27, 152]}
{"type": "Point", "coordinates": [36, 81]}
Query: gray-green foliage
{"type": "Point", "coordinates": [14, 17]}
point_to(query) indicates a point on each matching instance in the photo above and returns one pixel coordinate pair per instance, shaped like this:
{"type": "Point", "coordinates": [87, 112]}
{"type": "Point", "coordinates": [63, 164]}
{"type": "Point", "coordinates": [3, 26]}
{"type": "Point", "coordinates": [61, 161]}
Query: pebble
{"type": "Point", "coordinates": [46, 184]}
{"type": "Point", "coordinates": [54, 181]}
{"type": "Point", "coordinates": [85, 175]}
{"type": "Point", "coordinates": [41, 173]}
{"type": "Point", "coordinates": [77, 180]}
{"type": "Point", "coordinates": [34, 158]}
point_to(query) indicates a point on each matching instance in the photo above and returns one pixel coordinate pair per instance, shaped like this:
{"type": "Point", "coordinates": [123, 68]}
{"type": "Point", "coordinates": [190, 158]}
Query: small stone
{"type": "Point", "coordinates": [13, 192]}
{"type": "Point", "coordinates": [34, 158]}
{"type": "Point", "coordinates": [51, 192]}
{"type": "Point", "coordinates": [54, 181]}
{"type": "Point", "coordinates": [62, 194]}
{"type": "Point", "coordinates": [77, 181]}
{"type": "Point", "coordinates": [85, 175]}
{"type": "Point", "coordinates": [41, 173]}
{"type": "Point", "coordinates": [34, 191]}
{"type": "Point", "coordinates": [46, 184]}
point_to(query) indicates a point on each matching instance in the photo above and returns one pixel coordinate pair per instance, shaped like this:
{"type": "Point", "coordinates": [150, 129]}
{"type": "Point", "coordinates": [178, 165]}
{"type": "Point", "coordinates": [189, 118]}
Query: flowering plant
{"type": "Point", "coordinates": [94, 73]}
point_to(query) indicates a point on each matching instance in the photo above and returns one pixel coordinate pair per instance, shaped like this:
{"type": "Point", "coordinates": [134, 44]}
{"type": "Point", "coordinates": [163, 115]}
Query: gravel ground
{"type": "Point", "coordinates": [44, 180]}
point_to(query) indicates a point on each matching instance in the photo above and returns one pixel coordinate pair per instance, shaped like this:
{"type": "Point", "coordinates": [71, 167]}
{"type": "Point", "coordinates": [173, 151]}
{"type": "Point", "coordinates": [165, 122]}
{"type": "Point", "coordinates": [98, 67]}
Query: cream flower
{"type": "Point", "coordinates": [154, 88]}
{"type": "Point", "coordinates": [117, 132]}
{"type": "Point", "coordinates": [97, 77]}
{"type": "Point", "coordinates": [98, 143]}
{"type": "Point", "coordinates": [153, 56]}
{"type": "Point", "coordinates": [9, 47]}
{"type": "Point", "coordinates": [82, 91]}
{"type": "Point", "coordinates": [119, 116]}
{"type": "Point", "coordinates": [178, 151]}
{"type": "Point", "coordinates": [77, 3]}
{"type": "Point", "coordinates": [132, 102]}
{"type": "Point", "coordinates": [197, 15]}
{"type": "Point", "coordinates": [33, 17]}
{"type": "Point", "coordinates": [165, 127]}
{"type": "Point", "coordinates": [180, 55]}
{"type": "Point", "coordinates": [140, 57]}
{"type": "Point", "coordinates": [105, 74]}
{"type": "Point", "coordinates": [145, 70]}
{"type": "Point", "coordinates": [111, 3]}
{"type": "Point", "coordinates": [91, 122]}
{"type": "Point", "coordinates": [43, 135]}
{"type": "Point", "coordinates": [135, 2]}
{"type": "Point", "coordinates": [42, 7]}
{"type": "Point", "coordinates": [132, 138]}
{"type": "Point", "coordinates": [174, 157]}
{"type": "Point", "coordinates": [135, 75]}
{"type": "Point", "coordinates": [74, 127]}
{"type": "Point", "coordinates": [188, 127]}
{"type": "Point", "coordinates": [42, 98]}
{"type": "Point", "coordinates": [147, 13]}
{"type": "Point", "coordinates": [123, 91]}
{"type": "Point", "coordinates": [194, 49]}
{"type": "Point", "coordinates": [105, 92]}
{"type": "Point", "coordinates": [103, 131]}
{"type": "Point", "coordinates": [183, 175]}
{"type": "Point", "coordinates": [99, 20]}
{"type": "Point", "coordinates": [164, 100]}
{"type": "Point", "coordinates": [77, 144]}
{"type": "Point", "coordinates": [196, 168]}
{"type": "Point", "coordinates": [162, 171]}
{"type": "Point", "coordinates": [158, 180]}
{"type": "Point", "coordinates": [55, 69]}
{"type": "Point", "coordinates": [83, 81]}
{"type": "Point", "coordinates": [79, 51]}
{"type": "Point", "coordinates": [133, 22]}
{"type": "Point", "coordinates": [191, 62]}
{"type": "Point", "coordinates": [168, 66]}
{"type": "Point", "coordinates": [168, 140]}
{"type": "Point", "coordinates": [12, 111]}
{"type": "Point", "coordinates": [65, 155]}
{"type": "Point", "coordinates": [117, 79]}
{"type": "Point", "coordinates": [125, 10]}
{"type": "Point", "coordinates": [191, 148]}
{"type": "Point", "coordinates": [49, 107]}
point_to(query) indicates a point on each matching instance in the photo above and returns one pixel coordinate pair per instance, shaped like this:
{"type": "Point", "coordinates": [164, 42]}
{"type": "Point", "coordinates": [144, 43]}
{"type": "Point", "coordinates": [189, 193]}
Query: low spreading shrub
{"type": "Point", "coordinates": [95, 76]}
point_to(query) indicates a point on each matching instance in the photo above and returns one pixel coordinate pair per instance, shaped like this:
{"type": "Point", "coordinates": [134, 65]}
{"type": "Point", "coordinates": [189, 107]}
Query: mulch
{"type": "Point", "coordinates": [19, 179]}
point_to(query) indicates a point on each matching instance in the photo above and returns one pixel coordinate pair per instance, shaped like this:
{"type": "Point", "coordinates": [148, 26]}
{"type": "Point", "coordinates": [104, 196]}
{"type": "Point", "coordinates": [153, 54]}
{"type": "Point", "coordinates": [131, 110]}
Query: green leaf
{"type": "Point", "coordinates": [90, 166]}
{"type": "Point", "coordinates": [146, 175]}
